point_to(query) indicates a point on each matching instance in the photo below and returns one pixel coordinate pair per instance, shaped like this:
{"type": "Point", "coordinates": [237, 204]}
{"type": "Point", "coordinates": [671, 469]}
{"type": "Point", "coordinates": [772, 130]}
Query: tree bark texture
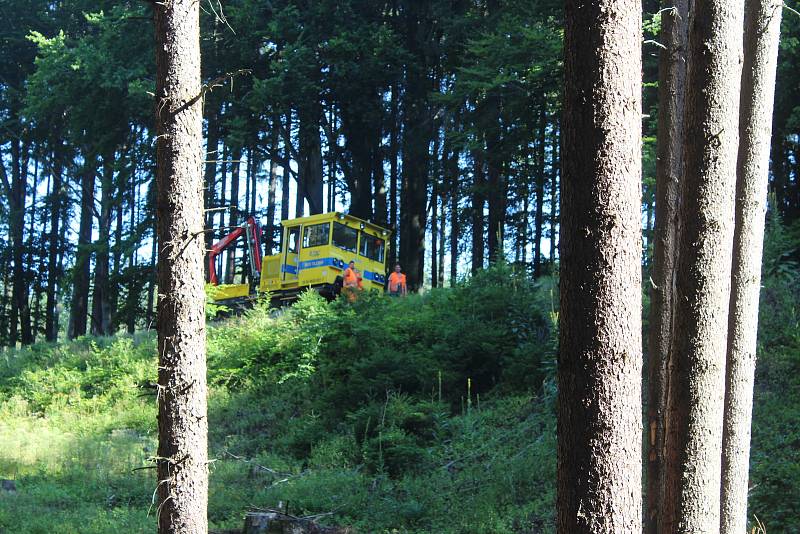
{"type": "Point", "coordinates": [669, 168]}
{"type": "Point", "coordinates": [599, 376]}
{"type": "Point", "coordinates": [182, 424]}
{"type": "Point", "coordinates": [710, 145]}
{"type": "Point", "coordinates": [762, 31]}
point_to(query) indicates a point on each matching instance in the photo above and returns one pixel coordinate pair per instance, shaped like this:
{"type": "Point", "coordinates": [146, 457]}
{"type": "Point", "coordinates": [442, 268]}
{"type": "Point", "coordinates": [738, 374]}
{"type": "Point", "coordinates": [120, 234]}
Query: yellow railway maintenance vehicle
{"type": "Point", "coordinates": [315, 251]}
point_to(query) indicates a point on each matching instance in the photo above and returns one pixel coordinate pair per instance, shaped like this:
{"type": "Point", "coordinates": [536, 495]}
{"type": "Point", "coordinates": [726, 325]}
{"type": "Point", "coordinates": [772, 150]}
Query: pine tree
{"type": "Point", "coordinates": [762, 31]}
{"type": "Point", "coordinates": [182, 424]}
{"type": "Point", "coordinates": [599, 414]}
{"type": "Point", "coordinates": [710, 144]}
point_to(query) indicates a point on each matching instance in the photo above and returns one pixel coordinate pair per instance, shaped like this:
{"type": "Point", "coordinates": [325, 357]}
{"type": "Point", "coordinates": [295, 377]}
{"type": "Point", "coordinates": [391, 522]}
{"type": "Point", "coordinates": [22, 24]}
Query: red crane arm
{"type": "Point", "coordinates": [253, 241]}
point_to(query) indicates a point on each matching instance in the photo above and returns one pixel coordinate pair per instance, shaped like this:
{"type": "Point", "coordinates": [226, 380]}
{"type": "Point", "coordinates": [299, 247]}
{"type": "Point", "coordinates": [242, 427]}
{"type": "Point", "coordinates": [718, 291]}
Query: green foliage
{"type": "Point", "coordinates": [327, 406]}
{"type": "Point", "coordinates": [775, 454]}
{"type": "Point", "coordinates": [360, 409]}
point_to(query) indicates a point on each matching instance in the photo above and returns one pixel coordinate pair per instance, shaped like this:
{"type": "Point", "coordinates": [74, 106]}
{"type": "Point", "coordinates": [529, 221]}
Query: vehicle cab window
{"type": "Point", "coordinates": [372, 247]}
{"type": "Point", "coordinates": [316, 235]}
{"type": "Point", "coordinates": [345, 237]}
{"type": "Point", "coordinates": [293, 236]}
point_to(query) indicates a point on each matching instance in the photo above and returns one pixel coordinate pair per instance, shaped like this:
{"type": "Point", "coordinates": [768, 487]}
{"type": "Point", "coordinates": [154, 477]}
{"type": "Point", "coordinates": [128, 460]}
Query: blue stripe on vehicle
{"type": "Point", "coordinates": [321, 262]}
{"type": "Point", "coordinates": [329, 262]}
{"type": "Point", "coordinates": [286, 268]}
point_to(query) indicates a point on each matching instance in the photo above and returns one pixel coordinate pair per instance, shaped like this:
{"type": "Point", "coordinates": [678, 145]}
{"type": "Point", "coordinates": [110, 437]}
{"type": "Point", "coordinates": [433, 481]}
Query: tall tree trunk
{"type": "Point", "coordinates": [435, 232]}
{"type": "Point", "coordinates": [455, 227]}
{"type": "Point", "coordinates": [101, 307]}
{"type": "Point", "coordinates": [20, 310]}
{"type": "Point", "coordinates": [669, 169]}
{"type": "Point", "coordinates": [287, 160]}
{"type": "Point", "coordinates": [539, 214]}
{"type": "Point", "coordinates": [210, 177]}
{"type": "Point", "coordinates": [223, 188]}
{"type": "Point", "coordinates": [394, 128]}
{"type": "Point", "coordinates": [442, 223]}
{"type": "Point", "coordinates": [599, 376]}
{"type": "Point", "coordinates": [417, 133]}
{"type": "Point", "coordinates": [554, 200]}
{"type": "Point", "coordinates": [362, 136]}
{"type": "Point", "coordinates": [762, 31]}
{"type": "Point", "coordinates": [80, 272]}
{"type": "Point", "coordinates": [182, 423]}
{"type": "Point", "coordinates": [310, 176]}
{"type": "Point", "coordinates": [273, 187]}
{"type": "Point", "coordinates": [710, 144]}
{"type": "Point", "coordinates": [497, 184]}
{"type": "Point", "coordinates": [478, 204]}
{"type": "Point", "coordinates": [53, 247]}
{"type": "Point", "coordinates": [233, 218]}
{"type": "Point", "coordinates": [380, 213]}
{"type": "Point", "coordinates": [255, 165]}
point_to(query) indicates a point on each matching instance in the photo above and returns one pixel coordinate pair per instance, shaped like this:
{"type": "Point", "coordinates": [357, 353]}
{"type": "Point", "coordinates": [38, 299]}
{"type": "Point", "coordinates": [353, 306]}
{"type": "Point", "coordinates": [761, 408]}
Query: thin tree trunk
{"type": "Point", "coordinates": [210, 176]}
{"type": "Point", "coordinates": [223, 187]}
{"type": "Point", "coordinates": [233, 218]}
{"type": "Point", "coordinates": [255, 164]}
{"type": "Point", "coordinates": [672, 90]}
{"type": "Point", "coordinates": [273, 187]}
{"type": "Point", "coordinates": [435, 232]}
{"type": "Point", "coordinates": [56, 200]}
{"type": "Point", "coordinates": [762, 31]}
{"type": "Point", "coordinates": [182, 423]}
{"type": "Point", "coordinates": [393, 174]}
{"type": "Point", "coordinates": [455, 227]}
{"type": "Point", "coordinates": [478, 204]}
{"type": "Point", "coordinates": [442, 224]}
{"type": "Point", "coordinates": [539, 214]}
{"type": "Point", "coordinates": [287, 160]}
{"type": "Point", "coordinates": [599, 376]}
{"type": "Point", "coordinates": [710, 144]}
{"type": "Point", "coordinates": [554, 198]}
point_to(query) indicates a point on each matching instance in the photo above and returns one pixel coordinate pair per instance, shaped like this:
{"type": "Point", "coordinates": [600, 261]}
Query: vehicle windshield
{"type": "Point", "coordinates": [372, 247]}
{"type": "Point", "coordinates": [316, 235]}
{"type": "Point", "coordinates": [345, 237]}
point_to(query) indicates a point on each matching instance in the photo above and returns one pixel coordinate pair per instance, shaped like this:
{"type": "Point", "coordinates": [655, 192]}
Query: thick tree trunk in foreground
{"type": "Point", "coordinates": [599, 376]}
{"type": "Point", "coordinates": [711, 139]}
{"type": "Point", "coordinates": [182, 423]}
{"type": "Point", "coordinates": [762, 30]}
{"type": "Point", "coordinates": [669, 166]}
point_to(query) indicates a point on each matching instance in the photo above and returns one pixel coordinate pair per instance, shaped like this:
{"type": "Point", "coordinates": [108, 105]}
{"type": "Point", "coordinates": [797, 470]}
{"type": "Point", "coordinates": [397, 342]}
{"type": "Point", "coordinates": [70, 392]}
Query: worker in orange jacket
{"type": "Point", "coordinates": [397, 282]}
{"type": "Point", "coordinates": [353, 281]}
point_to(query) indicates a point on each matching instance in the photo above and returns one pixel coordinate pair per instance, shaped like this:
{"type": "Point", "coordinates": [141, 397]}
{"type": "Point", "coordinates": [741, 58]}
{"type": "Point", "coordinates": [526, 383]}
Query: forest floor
{"type": "Point", "coordinates": [353, 412]}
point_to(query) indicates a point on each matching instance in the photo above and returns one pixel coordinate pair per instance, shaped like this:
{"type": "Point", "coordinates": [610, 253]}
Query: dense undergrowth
{"type": "Point", "coordinates": [433, 413]}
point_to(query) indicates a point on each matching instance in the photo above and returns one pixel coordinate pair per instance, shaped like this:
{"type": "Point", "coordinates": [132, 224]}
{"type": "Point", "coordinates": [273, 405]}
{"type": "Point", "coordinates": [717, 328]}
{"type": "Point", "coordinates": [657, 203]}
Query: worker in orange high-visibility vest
{"type": "Point", "coordinates": [397, 283]}
{"type": "Point", "coordinates": [353, 282]}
